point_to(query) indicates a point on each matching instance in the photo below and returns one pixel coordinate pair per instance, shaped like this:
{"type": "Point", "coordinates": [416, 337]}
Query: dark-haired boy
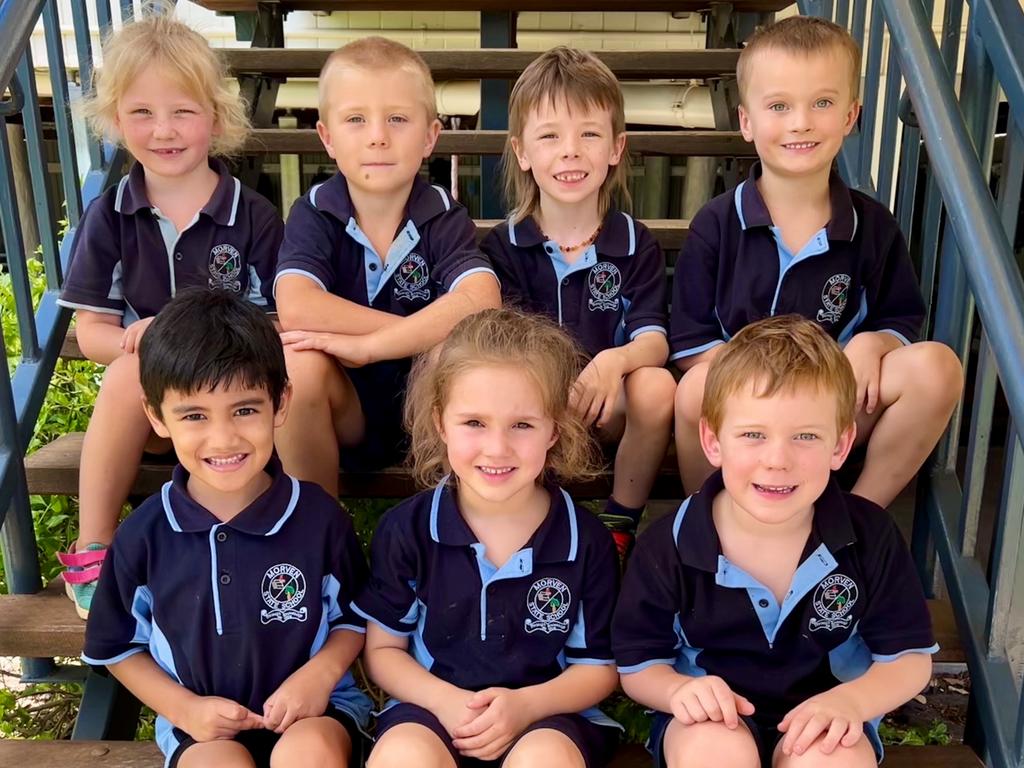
{"type": "Point", "coordinates": [794, 238]}
{"type": "Point", "coordinates": [773, 619]}
{"type": "Point", "coordinates": [224, 602]}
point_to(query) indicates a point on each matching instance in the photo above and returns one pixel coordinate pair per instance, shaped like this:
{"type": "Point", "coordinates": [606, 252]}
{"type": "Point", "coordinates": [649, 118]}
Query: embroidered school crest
{"type": "Point", "coordinates": [834, 598]}
{"type": "Point", "coordinates": [283, 588]}
{"type": "Point", "coordinates": [412, 278]}
{"type": "Point", "coordinates": [604, 282]}
{"type": "Point", "coordinates": [225, 267]}
{"type": "Point", "coordinates": [548, 601]}
{"type": "Point", "coordinates": [834, 296]}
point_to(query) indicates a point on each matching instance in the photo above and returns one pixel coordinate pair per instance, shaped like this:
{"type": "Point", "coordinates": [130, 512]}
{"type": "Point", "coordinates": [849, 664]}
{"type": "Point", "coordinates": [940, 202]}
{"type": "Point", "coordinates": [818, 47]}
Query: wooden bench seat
{"type": "Point", "coordinates": [144, 754]}
{"type": "Point", "coordinates": [671, 6]}
{"type": "Point", "coordinates": [482, 142]}
{"type": "Point", "coordinates": [476, 63]}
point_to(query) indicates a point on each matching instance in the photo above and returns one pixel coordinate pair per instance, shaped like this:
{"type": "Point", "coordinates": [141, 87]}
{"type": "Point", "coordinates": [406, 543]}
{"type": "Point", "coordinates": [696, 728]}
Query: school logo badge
{"type": "Point", "coordinates": [834, 296]}
{"type": "Point", "coordinates": [225, 267]}
{"type": "Point", "coordinates": [548, 601]}
{"type": "Point", "coordinates": [834, 598]}
{"type": "Point", "coordinates": [412, 278]}
{"type": "Point", "coordinates": [604, 281]}
{"type": "Point", "coordinates": [283, 588]}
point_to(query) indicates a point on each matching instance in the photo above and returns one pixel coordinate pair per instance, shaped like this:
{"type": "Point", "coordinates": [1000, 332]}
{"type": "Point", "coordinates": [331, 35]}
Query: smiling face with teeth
{"type": "Point", "coordinates": [497, 433]}
{"type": "Point", "coordinates": [797, 109]}
{"type": "Point", "coordinates": [224, 438]}
{"type": "Point", "coordinates": [776, 452]}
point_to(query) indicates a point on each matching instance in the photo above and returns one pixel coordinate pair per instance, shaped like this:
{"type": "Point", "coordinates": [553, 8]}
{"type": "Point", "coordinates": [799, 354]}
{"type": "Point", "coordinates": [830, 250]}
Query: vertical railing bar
{"type": "Point", "coordinates": [826, 9]}
{"type": "Point", "coordinates": [1007, 545]}
{"type": "Point", "coordinates": [83, 45]}
{"type": "Point", "coordinates": [986, 381]}
{"type": "Point", "coordinates": [62, 113]}
{"type": "Point", "coordinates": [37, 169]}
{"type": "Point", "coordinates": [103, 17]}
{"type": "Point", "coordinates": [870, 109]}
{"type": "Point", "coordinates": [10, 225]}
{"type": "Point", "coordinates": [1011, 178]}
{"type": "Point", "coordinates": [931, 226]}
{"type": "Point", "coordinates": [949, 47]}
{"type": "Point", "coordinates": [906, 189]}
{"type": "Point", "coordinates": [127, 11]}
{"type": "Point", "coordinates": [887, 155]}
{"type": "Point", "coordinates": [843, 13]}
{"type": "Point", "coordinates": [860, 8]}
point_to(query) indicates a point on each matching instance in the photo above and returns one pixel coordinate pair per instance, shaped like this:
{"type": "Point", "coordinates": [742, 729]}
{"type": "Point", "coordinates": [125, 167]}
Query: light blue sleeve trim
{"type": "Point", "coordinates": [648, 329]}
{"type": "Point", "coordinates": [644, 665]}
{"type": "Point", "coordinates": [102, 310]}
{"type": "Point", "coordinates": [302, 272]}
{"type": "Point", "coordinates": [349, 627]}
{"type": "Point", "coordinates": [379, 623]}
{"type": "Point", "coordinates": [696, 350]}
{"type": "Point", "coordinates": [591, 662]}
{"type": "Point", "coordinates": [469, 272]}
{"type": "Point", "coordinates": [887, 657]}
{"type": "Point", "coordinates": [113, 659]}
{"type": "Point", "coordinates": [905, 341]}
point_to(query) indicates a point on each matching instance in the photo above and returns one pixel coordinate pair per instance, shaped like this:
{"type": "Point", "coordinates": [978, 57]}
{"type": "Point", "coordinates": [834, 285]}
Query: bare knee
{"type": "Point", "coordinates": [709, 745]}
{"type": "Point", "coordinates": [309, 371]}
{"type": "Point", "coordinates": [216, 754]}
{"type": "Point", "coordinates": [409, 744]}
{"type": "Point", "coordinates": [929, 373]}
{"type": "Point", "coordinates": [649, 397]}
{"type": "Point", "coordinates": [122, 378]}
{"type": "Point", "coordinates": [690, 393]}
{"type": "Point", "coordinates": [316, 742]}
{"type": "Point", "coordinates": [544, 746]}
{"type": "Point", "coordinates": [860, 755]}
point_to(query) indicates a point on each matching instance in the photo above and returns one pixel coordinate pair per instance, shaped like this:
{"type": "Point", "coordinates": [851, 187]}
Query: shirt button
{"type": "Point", "coordinates": [221, 536]}
{"type": "Point", "coordinates": [549, 249]}
{"type": "Point", "coordinates": [373, 267]}
{"type": "Point", "coordinates": [178, 256]}
{"type": "Point", "coordinates": [565, 281]}
{"type": "Point", "coordinates": [763, 603]}
{"type": "Point", "coordinates": [225, 579]}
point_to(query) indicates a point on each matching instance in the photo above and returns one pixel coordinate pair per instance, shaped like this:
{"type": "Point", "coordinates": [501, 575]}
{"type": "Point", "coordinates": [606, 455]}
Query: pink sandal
{"type": "Point", "coordinates": [82, 569]}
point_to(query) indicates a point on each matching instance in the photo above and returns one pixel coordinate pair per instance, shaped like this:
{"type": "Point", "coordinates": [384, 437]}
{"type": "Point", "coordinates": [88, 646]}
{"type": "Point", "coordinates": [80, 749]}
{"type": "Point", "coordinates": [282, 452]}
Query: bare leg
{"type": "Point", "coordinates": [649, 393]}
{"type": "Point", "coordinates": [216, 754]}
{"type": "Point", "coordinates": [546, 747]}
{"type": "Point", "coordinates": [314, 742]}
{"type": "Point", "coordinates": [860, 755]}
{"type": "Point", "coordinates": [709, 745]}
{"type": "Point", "coordinates": [919, 388]}
{"type": "Point", "coordinates": [694, 468]}
{"type": "Point", "coordinates": [410, 744]}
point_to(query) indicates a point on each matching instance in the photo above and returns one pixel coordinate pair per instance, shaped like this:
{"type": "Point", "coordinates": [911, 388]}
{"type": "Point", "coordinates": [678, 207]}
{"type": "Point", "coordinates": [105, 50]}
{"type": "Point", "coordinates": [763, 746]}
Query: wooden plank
{"type": "Point", "coordinates": [739, 6]}
{"type": "Point", "coordinates": [710, 143]}
{"type": "Point", "coordinates": [144, 754]}
{"type": "Point", "coordinates": [472, 64]}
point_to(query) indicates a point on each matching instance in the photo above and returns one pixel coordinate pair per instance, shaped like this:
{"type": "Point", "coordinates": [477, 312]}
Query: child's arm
{"type": "Point", "coordinates": [204, 718]}
{"type": "Point", "coordinates": [598, 385]}
{"type": "Point", "coordinates": [306, 692]}
{"type": "Point", "coordinates": [405, 336]}
{"type": "Point", "coordinates": [865, 352]}
{"type": "Point", "coordinates": [840, 713]}
{"type": "Point", "coordinates": [694, 328]}
{"type": "Point", "coordinates": [100, 335]}
{"type": "Point", "coordinates": [304, 305]}
{"type": "Point", "coordinates": [689, 699]}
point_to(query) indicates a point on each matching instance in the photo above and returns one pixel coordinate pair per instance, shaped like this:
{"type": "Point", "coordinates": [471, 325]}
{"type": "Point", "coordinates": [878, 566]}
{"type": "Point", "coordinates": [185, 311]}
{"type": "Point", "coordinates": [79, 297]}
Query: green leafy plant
{"type": "Point", "coordinates": [937, 733]}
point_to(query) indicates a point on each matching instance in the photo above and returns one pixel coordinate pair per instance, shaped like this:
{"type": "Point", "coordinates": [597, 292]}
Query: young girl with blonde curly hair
{"type": "Point", "coordinates": [177, 219]}
{"type": "Point", "coordinates": [491, 593]}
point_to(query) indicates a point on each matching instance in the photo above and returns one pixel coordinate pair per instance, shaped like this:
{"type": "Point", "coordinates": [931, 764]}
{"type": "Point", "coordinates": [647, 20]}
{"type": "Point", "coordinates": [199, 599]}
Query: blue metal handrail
{"type": "Point", "coordinates": [964, 237]}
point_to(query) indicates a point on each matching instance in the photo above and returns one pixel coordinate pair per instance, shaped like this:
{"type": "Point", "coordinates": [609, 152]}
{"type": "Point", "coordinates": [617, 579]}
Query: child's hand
{"type": "Point", "coordinates": [832, 713]}
{"type": "Point", "coordinates": [133, 335]}
{"type": "Point", "coordinates": [502, 718]}
{"type": "Point", "coordinates": [700, 699]}
{"type": "Point", "coordinates": [352, 351]}
{"type": "Point", "coordinates": [210, 717]}
{"type": "Point", "coordinates": [597, 388]}
{"type": "Point", "coordinates": [454, 712]}
{"type": "Point", "coordinates": [865, 352]}
{"type": "Point", "coordinates": [304, 694]}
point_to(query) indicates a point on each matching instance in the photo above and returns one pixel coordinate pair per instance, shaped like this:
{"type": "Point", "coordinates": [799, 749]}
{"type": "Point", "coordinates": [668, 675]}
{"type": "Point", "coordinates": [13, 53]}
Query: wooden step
{"type": "Point", "coordinates": [708, 143]}
{"type": "Point", "coordinates": [738, 6]}
{"type": "Point", "coordinates": [45, 624]}
{"type": "Point", "coordinates": [144, 754]}
{"type": "Point", "coordinates": [475, 63]}
{"type": "Point", "coordinates": [53, 469]}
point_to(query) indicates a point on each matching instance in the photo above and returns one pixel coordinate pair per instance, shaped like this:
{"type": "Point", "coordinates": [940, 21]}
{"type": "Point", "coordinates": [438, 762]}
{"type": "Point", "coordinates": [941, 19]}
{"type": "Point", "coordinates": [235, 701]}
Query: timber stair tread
{"type": "Point", "coordinates": [476, 63]}
{"type": "Point", "coordinates": [706, 143]}
{"type": "Point", "coordinates": [144, 754]}
{"type": "Point", "coordinates": [45, 624]}
{"type": "Point", "coordinates": [738, 6]}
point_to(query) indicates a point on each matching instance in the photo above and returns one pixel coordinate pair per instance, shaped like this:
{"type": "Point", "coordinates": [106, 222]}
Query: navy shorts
{"type": "Point", "coordinates": [261, 742]}
{"type": "Point", "coordinates": [381, 390]}
{"type": "Point", "coordinates": [764, 730]}
{"type": "Point", "coordinates": [596, 743]}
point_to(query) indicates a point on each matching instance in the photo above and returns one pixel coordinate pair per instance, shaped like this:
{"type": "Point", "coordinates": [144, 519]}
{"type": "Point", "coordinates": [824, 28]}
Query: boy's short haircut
{"type": "Point", "coordinates": [159, 40]}
{"type": "Point", "coordinates": [582, 81]}
{"type": "Point", "coordinates": [376, 54]}
{"type": "Point", "coordinates": [780, 354]}
{"type": "Point", "coordinates": [202, 339]}
{"type": "Point", "coordinates": [803, 36]}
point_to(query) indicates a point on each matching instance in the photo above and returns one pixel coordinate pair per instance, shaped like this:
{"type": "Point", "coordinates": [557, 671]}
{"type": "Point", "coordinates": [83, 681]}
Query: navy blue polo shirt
{"type": "Point", "coordinates": [855, 599]}
{"type": "Point", "coordinates": [853, 275]}
{"type": "Point", "coordinates": [230, 609]}
{"type": "Point", "coordinates": [611, 293]}
{"type": "Point", "coordinates": [432, 252]}
{"type": "Point", "coordinates": [476, 625]}
{"type": "Point", "coordinates": [128, 259]}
